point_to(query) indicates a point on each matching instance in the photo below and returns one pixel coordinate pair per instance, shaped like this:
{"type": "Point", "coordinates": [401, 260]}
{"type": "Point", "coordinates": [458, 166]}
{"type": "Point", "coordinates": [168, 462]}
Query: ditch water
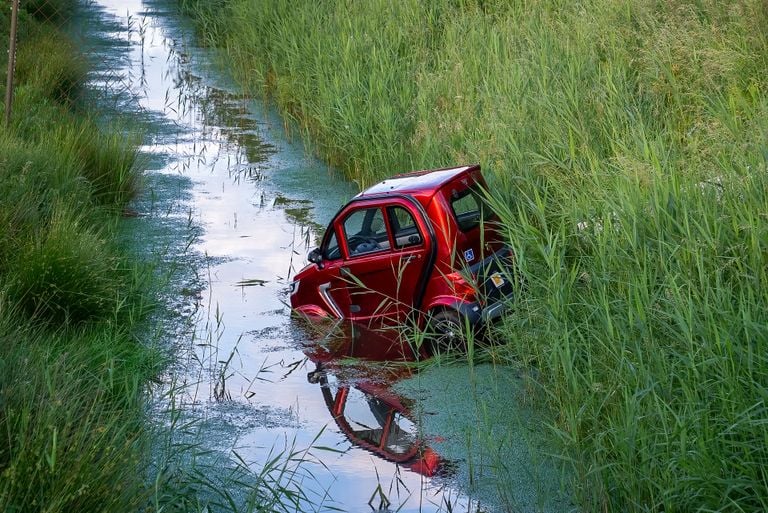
{"type": "Point", "coordinates": [234, 204]}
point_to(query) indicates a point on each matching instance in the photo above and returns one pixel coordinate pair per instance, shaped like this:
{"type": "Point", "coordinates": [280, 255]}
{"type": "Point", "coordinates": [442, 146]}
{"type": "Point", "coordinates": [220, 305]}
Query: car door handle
{"type": "Point", "coordinates": [409, 258]}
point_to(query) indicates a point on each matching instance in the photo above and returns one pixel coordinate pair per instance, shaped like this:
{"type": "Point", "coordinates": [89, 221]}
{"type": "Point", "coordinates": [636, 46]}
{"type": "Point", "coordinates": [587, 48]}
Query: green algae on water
{"type": "Point", "coordinates": [481, 422]}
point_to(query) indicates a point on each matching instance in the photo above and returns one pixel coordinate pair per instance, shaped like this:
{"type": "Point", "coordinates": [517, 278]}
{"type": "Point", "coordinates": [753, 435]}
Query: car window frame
{"type": "Point", "coordinates": [341, 224]}
{"type": "Point", "coordinates": [392, 218]}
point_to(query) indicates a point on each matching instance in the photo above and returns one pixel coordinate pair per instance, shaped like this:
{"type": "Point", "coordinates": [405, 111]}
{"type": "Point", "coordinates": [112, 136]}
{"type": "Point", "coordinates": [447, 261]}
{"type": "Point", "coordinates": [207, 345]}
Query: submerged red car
{"type": "Point", "coordinates": [421, 246]}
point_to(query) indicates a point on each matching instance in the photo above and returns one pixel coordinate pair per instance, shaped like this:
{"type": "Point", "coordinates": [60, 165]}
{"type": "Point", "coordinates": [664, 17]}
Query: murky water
{"type": "Point", "coordinates": [225, 181]}
{"type": "Point", "coordinates": [235, 205]}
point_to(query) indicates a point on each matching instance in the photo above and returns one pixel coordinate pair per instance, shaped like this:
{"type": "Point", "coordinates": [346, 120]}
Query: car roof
{"type": "Point", "coordinates": [423, 183]}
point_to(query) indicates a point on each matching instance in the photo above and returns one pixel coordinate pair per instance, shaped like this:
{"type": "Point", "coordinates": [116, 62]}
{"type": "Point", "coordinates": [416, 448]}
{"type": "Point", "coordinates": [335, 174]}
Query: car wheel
{"type": "Point", "coordinates": [446, 332]}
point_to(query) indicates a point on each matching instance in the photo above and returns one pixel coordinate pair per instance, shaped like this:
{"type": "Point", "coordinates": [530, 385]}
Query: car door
{"type": "Point", "coordinates": [385, 252]}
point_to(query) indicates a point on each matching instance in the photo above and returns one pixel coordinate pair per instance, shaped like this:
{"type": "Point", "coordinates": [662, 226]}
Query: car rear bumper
{"type": "Point", "coordinates": [494, 275]}
{"type": "Point", "coordinates": [477, 315]}
{"type": "Point", "coordinates": [493, 312]}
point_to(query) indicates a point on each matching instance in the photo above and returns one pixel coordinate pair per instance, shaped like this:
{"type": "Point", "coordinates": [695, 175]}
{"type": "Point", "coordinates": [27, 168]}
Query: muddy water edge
{"type": "Point", "coordinates": [229, 208]}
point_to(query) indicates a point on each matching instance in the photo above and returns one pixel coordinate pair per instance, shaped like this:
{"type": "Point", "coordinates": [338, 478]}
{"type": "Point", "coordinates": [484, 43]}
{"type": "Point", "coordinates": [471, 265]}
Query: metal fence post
{"type": "Point", "coordinates": [11, 62]}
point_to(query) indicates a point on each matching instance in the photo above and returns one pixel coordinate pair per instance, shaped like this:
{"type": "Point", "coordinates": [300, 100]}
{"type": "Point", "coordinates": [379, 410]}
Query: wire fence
{"type": "Point", "coordinates": [11, 60]}
{"type": "Point", "coordinates": [53, 48]}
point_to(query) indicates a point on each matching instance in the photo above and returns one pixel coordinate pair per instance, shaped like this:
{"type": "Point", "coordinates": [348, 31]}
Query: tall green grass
{"type": "Point", "coordinates": [626, 144]}
{"type": "Point", "coordinates": [72, 374]}
{"type": "Point", "coordinates": [544, 87]}
{"type": "Point", "coordinates": [51, 64]}
{"type": "Point", "coordinates": [648, 326]}
{"type": "Point", "coordinates": [52, 11]}
{"type": "Point", "coordinates": [71, 418]}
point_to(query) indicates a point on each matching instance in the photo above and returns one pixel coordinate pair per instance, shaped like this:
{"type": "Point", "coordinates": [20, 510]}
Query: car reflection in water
{"type": "Point", "coordinates": [365, 409]}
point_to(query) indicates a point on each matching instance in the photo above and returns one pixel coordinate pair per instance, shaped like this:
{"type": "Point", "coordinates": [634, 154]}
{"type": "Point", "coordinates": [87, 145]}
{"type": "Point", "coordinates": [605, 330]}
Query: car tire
{"type": "Point", "coordinates": [446, 332]}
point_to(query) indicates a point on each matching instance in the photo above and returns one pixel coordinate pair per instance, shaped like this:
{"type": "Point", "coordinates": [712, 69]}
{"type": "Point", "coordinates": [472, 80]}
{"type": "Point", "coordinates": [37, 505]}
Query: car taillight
{"type": "Point", "coordinates": [461, 287]}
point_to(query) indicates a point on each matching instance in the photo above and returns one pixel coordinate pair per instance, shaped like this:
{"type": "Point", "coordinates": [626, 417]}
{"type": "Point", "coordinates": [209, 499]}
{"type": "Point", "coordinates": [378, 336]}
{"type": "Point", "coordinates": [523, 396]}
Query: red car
{"type": "Point", "coordinates": [420, 247]}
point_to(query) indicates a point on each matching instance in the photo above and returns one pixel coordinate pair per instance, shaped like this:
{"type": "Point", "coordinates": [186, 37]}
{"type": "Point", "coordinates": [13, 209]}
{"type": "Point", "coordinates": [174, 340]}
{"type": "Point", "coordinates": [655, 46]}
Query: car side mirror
{"type": "Point", "coordinates": [315, 256]}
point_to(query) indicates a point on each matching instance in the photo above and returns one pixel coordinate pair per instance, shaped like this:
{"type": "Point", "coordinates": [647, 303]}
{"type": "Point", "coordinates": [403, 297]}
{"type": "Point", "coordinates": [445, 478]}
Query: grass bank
{"type": "Point", "coordinates": [627, 144]}
{"type": "Point", "coordinates": [72, 372]}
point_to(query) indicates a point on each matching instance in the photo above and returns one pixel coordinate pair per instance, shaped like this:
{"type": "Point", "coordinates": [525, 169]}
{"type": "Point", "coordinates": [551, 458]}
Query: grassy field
{"type": "Point", "coordinates": [72, 372]}
{"type": "Point", "coordinates": [626, 143]}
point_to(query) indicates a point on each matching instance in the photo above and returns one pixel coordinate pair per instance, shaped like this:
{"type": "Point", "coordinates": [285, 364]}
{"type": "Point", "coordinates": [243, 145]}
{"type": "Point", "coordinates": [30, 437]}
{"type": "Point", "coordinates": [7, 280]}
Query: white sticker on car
{"type": "Point", "coordinates": [469, 255]}
{"type": "Point", "coordinates": [497, 280]}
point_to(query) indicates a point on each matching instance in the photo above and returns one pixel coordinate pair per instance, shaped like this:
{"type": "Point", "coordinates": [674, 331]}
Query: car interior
{"type": "Point", "coordinates": [372, 233]}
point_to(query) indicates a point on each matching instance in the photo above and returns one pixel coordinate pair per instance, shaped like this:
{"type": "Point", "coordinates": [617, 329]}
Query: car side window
{"type": "Point", "coordinates": [404, 228]}
{"type": "Point", "coordinates": [365, 231]}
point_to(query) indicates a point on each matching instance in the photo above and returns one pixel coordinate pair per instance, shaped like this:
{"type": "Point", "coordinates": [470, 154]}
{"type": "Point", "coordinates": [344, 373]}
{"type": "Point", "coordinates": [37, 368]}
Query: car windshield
{"type": "Point", "coordinates": [469, 208]}
{"type": "Point", "coordinates": [331, 251]}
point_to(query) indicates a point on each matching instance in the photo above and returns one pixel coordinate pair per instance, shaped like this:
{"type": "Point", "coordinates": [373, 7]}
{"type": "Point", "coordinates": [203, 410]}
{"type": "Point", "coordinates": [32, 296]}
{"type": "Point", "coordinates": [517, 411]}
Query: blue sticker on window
{"type": "Point", "coordinates": [469, 255]}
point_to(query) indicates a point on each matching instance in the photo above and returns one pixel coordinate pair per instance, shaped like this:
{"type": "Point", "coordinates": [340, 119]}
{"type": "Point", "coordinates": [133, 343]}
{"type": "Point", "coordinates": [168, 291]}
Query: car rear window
{"type": "Point", "coordinates": [469, 208]}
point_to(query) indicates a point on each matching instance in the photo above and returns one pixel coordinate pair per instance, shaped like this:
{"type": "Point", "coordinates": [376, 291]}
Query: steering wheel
{"type": "Point", "coordinates": [356, 240]}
